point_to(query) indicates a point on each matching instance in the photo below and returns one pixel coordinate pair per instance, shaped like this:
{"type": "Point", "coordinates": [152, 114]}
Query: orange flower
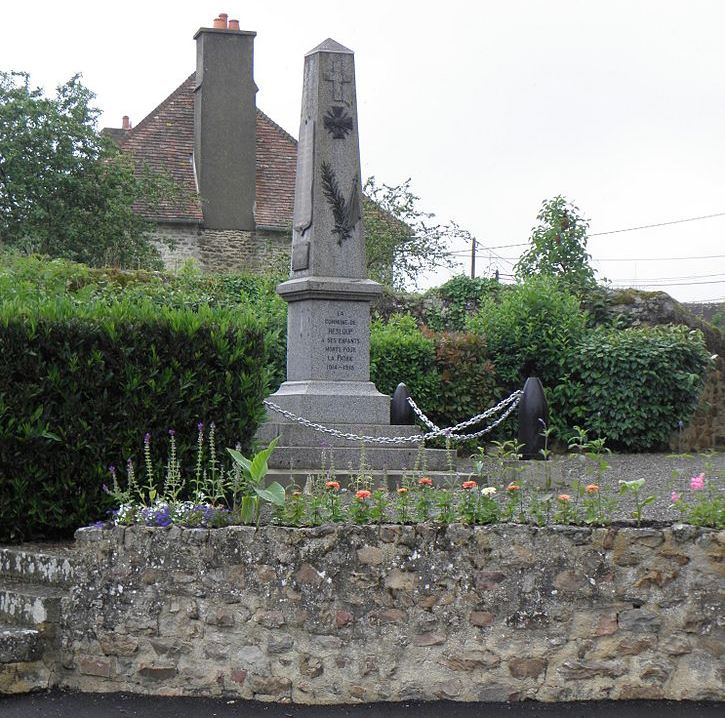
{"type": "Point", "coordinates": [333, 485]}
{"type": "Point", "coordinates": [469, 485]}
{"type": "Point", "coordinates": [403, 490]}
{"type": "Point", "coordinates": [564, 498]}
{"type": "Point", "coordinates": [513, 487]}
{"type": "Point", "coordinates": [425, 481]}
{"type": "Point", "coordinates": [592, 488]}
{"type": "Point", "coordinates": [362, 494]}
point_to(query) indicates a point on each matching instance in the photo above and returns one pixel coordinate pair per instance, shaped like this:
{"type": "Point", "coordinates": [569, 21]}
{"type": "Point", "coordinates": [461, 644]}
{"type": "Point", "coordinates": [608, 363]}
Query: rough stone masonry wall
{"type": "Point", "coordinates": [338, 614]}
{"type": "Point", "coordinates": [218, 250]}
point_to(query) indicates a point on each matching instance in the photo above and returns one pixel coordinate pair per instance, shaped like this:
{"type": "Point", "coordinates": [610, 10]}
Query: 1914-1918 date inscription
{"type": "Point", "coordinates": [341, 342]}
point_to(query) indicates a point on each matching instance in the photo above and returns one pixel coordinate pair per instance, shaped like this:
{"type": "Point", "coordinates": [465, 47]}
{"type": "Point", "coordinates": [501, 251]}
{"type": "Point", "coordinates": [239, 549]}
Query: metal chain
{"type": "Point", "coordinates": [449, 432]}
{"type": "Point", "coordinates": [515, 397]}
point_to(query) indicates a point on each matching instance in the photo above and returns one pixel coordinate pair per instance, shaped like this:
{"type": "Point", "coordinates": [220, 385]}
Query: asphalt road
{"type": "Point", "coordinates": [58, 704]}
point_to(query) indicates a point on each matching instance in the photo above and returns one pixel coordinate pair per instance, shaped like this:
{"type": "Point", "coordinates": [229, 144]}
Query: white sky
{"type": "Point", "coordinates": [490, 107]}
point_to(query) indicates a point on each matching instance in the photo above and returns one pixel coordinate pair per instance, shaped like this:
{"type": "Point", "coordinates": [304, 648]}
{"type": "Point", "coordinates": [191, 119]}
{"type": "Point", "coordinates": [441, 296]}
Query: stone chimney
{"type": "Point", "coordinates": [225, 124]}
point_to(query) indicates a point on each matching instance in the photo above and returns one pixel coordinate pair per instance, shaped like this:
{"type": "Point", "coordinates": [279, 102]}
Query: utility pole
{"type": "Point", "coordinates": [473, 257]}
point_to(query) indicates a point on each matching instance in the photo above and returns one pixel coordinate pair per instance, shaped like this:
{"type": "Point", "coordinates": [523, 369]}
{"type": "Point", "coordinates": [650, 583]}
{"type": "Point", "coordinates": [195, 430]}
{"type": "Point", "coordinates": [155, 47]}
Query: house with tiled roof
{"type": "Point", "coordinates": [234, 166]}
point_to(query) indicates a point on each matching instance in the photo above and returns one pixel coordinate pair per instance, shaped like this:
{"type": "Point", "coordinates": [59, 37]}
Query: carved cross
{"type": "Point", "coordinates": [338, 73]}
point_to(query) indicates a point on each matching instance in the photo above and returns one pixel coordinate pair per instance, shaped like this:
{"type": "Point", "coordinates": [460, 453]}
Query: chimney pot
{"type": "Point", "coordinates": [224, 16]}
{"type": "Point", "coordinates": [234, 25]}
{"type": "Point", "coordinates": [220, 23]}
{"type": "Point", "coordinates": [126, 123]}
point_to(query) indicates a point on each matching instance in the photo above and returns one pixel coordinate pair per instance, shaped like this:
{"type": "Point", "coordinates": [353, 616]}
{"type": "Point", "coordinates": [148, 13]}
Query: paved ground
{"type": "Point", "coordinates": [57, 704]}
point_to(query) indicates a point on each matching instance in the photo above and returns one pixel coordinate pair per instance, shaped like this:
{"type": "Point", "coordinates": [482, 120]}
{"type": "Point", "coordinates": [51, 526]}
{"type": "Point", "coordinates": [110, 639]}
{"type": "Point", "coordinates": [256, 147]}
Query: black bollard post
{"type": "Point", "coordinates": [533, 419]}
{"type": "Point", "coordinates": [401, 413]}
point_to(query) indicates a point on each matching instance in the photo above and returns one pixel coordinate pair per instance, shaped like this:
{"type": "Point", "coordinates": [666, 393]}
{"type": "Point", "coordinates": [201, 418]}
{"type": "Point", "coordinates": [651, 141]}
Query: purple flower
{"type": "Point", "coordinates": [200, 426]}
{"type": "Point", "coordinates": [147, 438]}
{"type": "Point", "coordinates": [112, 469]}
{"type": "Point", "coordinates": [172, 432]}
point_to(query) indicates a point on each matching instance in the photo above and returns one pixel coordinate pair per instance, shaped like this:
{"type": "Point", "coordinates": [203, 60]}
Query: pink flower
{"type": "Point", "coordinates": [697, 483]}
{"type": "Point", "coordinates": [675, 497]}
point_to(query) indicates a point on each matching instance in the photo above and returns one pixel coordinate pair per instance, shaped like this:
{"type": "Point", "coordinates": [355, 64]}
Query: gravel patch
{"type": "Point", "coordinates": [662, 473]}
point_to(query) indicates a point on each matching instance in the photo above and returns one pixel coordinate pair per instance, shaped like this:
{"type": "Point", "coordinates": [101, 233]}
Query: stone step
{"type": "Point", "coordinates": [31, 605]}
{"type": "Point", "coordinates": [392, 479]}
{"type": "Point", "coordinates": [20, 645]}
{"type": "Point", "coordinates": [52, 567]}
{"type": "Point", "coordinates": [297, 435]}
{"type": "Point", "coordinates": [25, 677]}
{"type": "Point", "coordinates": [392, 459]}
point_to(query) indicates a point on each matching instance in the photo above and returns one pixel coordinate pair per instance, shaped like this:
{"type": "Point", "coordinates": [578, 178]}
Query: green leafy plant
{"type": "Point", "coordinates": [558, 247]}
{"type": "Point", "coordinates": [252, 490]}
{"type": "Point", "coordinates": [634, 488]}
{"type": "Point", "coordinates": [633, 385]}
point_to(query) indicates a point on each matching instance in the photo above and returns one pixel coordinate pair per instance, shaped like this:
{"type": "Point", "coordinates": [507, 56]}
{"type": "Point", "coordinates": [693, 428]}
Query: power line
{"type": "Point", "coordinates": [615, 259]}
{"type": "Point", "coordinates": [655, 259]}
{"type": "Point", "coordinates": [658, 224]}
{"type": "Point", "coordinates": [674, 284]}
{"type": "Point", "coordinates": [662, 279]}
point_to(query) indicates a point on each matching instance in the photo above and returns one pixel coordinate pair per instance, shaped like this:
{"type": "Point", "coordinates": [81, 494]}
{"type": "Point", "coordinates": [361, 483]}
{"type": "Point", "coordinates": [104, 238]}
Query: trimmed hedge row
{"type": "Point", "coordinates": [447, 373]}
{"type": "Point", "coordinates": [79, 387]}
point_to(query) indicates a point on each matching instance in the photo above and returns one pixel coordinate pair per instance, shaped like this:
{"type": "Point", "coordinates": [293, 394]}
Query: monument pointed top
{"type": "Point", "coordinates": [330, 45]}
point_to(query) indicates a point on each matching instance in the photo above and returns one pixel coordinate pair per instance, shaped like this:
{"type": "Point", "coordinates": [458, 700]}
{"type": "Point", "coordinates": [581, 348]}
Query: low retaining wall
{"type": "Point", "coordinates": [340, 614]}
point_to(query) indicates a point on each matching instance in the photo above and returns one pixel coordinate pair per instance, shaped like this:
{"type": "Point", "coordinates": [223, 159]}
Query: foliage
{"type": "Point", "coordinates": [632, 386]}
{"type": "Point", "coordinates": [447, 373]}
{"type": "Point", "coordinates": [531, 331]}
{"type": "Point", "coordinates": [468, 377]}
{"type": "Point", "coordinates": [249, 490]}
{"type": "Point", "coordinates": [461, 297]}
{"type": "Point", "coordinates": [399, 351]}
{"type": "Point", "coordinates": [78, 379]}
{"type": "Point", "coordinates": [35, 279]}
{"type": "Point", "coordinates": [65, 190]}
{"type": "Point", "coordinates": [558, 247]}
{"type": "Point", "coordinates": [402, 241]}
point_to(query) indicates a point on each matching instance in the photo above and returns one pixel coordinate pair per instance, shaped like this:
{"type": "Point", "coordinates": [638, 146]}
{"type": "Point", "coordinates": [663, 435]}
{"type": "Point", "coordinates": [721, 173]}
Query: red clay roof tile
{"type": "Point", "coordinates": [164, 141]}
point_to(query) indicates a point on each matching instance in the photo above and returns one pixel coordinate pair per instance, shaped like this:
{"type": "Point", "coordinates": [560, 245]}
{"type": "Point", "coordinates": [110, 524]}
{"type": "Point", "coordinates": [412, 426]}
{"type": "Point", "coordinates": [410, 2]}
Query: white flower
{"type": "Point", "coordinates": [488, 490]}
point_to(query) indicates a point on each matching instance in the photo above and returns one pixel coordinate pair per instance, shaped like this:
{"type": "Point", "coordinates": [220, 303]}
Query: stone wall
{"type": "Point", "coordinates": [217, 250]}
{"type": "Point", "coordinates": [342, 614]}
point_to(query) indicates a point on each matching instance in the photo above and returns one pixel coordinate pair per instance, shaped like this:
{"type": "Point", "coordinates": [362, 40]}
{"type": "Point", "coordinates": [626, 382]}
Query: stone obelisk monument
{"type": "Point", "coordinates": [328, 325]}
{"type": "Point", "coordinates": [328, 293]}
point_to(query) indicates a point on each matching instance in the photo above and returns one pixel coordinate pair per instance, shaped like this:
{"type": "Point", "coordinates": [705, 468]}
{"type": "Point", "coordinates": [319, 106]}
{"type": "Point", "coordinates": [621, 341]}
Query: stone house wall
{"type": "Point", "coordinates": [341, 614]}
{"type": "Point", "coordinates": [218, 250]}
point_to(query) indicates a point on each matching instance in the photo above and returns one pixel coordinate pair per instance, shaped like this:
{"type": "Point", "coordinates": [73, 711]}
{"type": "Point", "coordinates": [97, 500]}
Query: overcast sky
{"type": "Point", "coordinates": [490, 107]}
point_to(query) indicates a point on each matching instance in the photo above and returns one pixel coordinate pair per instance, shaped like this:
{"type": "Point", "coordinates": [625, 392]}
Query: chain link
{"type": "Point", "coordinates": [450, 432]}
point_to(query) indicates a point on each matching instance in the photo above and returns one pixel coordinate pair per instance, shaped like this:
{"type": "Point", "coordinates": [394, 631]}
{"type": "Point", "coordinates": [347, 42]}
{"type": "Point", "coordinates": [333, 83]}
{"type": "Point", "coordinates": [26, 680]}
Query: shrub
{"type": "Point", "coordinates": [633, 385]}
{"type": "Point", "coordinates": [461, 297]}
{"type": "Point", "coordinates": [399, 351]}
{"type": "Point", "coordinates": [531, 331]}
{"type": "Point", "coordinates": [468, 378]}
{"type": "Point", "coordinates": [81, 383]}
{"type": "Point", "coordinates": [447, 373]}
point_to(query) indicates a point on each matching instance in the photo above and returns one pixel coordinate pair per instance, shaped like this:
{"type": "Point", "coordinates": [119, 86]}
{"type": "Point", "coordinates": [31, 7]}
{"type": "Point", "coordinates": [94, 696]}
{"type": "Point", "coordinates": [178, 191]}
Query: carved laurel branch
{"type": "Point", "coordinates": [346, 214]}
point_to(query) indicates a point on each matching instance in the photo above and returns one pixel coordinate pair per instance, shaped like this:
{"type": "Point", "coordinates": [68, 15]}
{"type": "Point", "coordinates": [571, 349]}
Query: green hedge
{"type": "Point", "coordinates": [633, 385]}
{"type": "Point", "coordinates": [531, 331]}
{"type": "Point", "coordinates": [81, 384]}
{"type": "Point", "coordinates": [447, 373]}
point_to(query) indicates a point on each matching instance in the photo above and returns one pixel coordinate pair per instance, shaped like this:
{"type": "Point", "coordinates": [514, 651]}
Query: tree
{"type": "Point", "coordinates": [401, 240]}
{"type": "Point", "coordinates": [558, 247]}
{"type": "Point", "coordinates": [65, 190]}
